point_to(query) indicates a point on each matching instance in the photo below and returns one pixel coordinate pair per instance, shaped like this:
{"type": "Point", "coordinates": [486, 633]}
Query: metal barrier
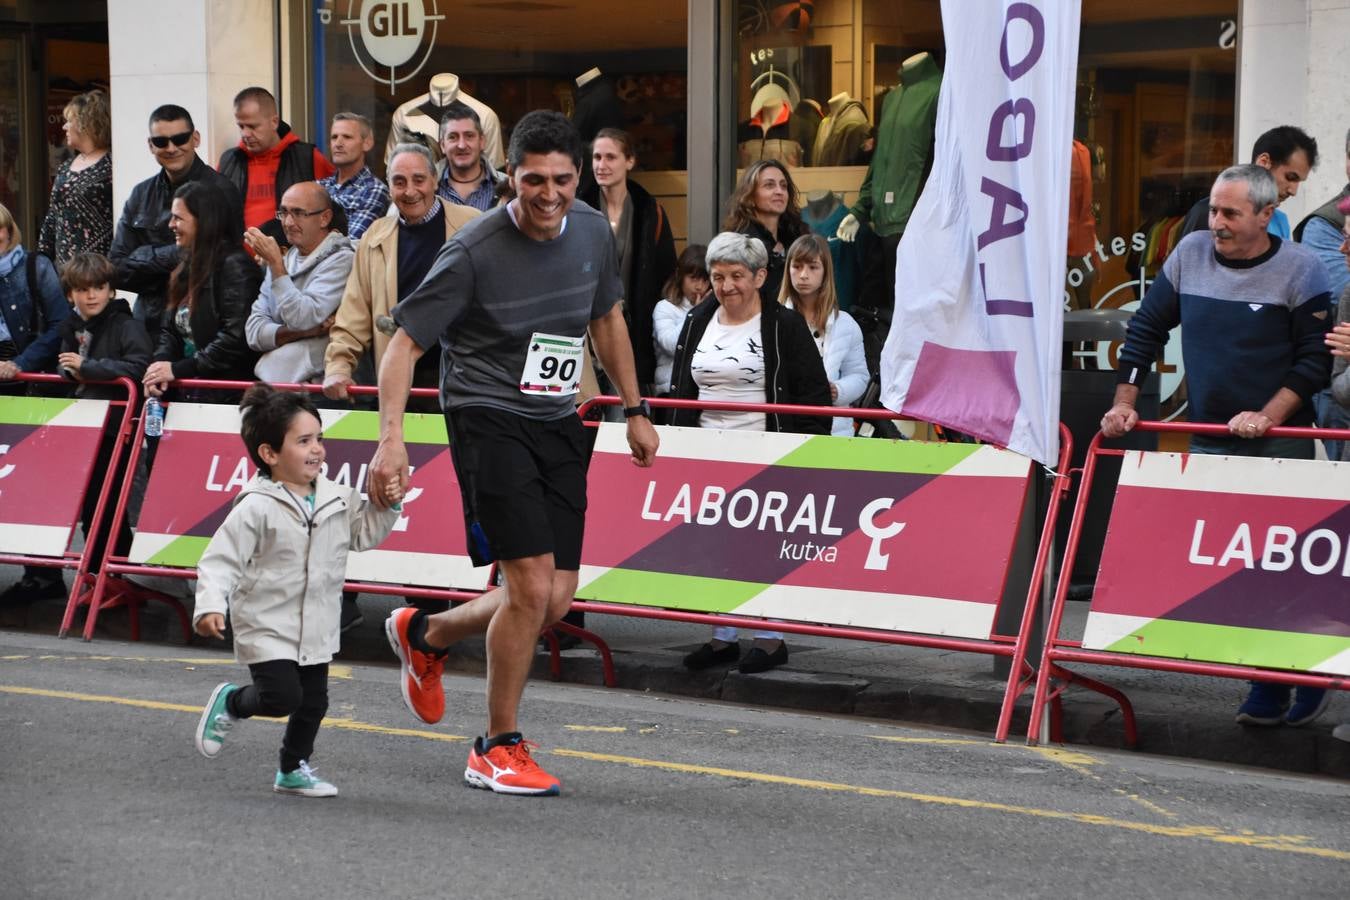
{"type": "Point", "coordinates": [1060, 650]}
{"type": "Point", "coordinates": [79, 593]}
{"type": "Point", "coordinates": [111, 588]}
{"type": "Point", "coordinates": [1010, 646]}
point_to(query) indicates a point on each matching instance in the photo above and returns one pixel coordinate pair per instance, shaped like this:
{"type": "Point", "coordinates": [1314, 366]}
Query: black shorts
{"type": "Point", "coordinates": [523, 483]}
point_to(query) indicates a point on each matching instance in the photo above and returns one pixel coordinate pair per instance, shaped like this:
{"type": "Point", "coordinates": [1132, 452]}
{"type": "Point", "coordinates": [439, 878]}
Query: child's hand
{"type": "Point", "coordinates": [211, 625]}
{"type": "Point", "coordinates": [71, 361]}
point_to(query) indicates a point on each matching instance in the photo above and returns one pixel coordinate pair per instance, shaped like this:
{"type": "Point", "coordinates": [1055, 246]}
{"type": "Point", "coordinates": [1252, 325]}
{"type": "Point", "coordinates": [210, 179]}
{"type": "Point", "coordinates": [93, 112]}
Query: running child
{"type": "Point", "coordinates": [277, 563]}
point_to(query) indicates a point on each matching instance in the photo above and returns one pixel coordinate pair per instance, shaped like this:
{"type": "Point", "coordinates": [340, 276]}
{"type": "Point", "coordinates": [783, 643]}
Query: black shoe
{"type": "Point", "coordinates": [32, 588]}
{"type": "Point", "coordinates": [708, 655]}
{"type": "Point", "coordinates": [759, 661]}
{"type": "Point", "coordinates": [351, 615]}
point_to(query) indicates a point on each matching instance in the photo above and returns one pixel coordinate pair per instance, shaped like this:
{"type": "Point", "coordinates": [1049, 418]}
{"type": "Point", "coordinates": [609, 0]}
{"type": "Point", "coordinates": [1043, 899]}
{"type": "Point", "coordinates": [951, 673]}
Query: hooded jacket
{"type": "Point", "coordinates": [217, 324]}
{"type": "Point", "coordinates": [291, 161]}
{"type": "Point", "coordinates": [793, 369]}
{"type": "Point", "coordinates": [114, 346]}
{"type": "Point", "coordinates": [279, 568]}
{"type": "Point", "coordinates": [299, 301]}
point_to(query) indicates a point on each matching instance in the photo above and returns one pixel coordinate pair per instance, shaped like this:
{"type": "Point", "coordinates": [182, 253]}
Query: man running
{"type": "Point", "coordinates": [510, 299]}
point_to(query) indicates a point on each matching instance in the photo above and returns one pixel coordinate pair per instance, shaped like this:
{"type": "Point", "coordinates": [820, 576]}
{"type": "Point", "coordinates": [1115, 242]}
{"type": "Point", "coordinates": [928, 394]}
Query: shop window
{"type": "Point", "coordinates": [1155, 118]}
{"type": "Point", "coordinates": [390, 61]}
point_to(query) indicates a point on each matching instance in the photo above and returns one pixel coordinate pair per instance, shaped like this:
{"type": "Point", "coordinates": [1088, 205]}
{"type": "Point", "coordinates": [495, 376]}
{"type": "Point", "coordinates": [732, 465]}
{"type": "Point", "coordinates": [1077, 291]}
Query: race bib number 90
{"type": "Point", "coordinates": [552, 365]}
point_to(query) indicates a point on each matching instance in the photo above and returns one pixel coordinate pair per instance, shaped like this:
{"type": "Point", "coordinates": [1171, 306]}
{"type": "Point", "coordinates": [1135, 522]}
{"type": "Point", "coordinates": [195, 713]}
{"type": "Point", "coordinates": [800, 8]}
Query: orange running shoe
{"type": "Point", "coordinates": [420, 673]}
{"type": "Point", "coordinates": [508, 769]}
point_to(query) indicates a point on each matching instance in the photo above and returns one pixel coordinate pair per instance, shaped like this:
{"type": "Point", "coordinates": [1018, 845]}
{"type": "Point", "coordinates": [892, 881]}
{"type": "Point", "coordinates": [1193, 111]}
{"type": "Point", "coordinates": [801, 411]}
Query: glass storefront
{"type": "Point", "coordinates": [392, 61]}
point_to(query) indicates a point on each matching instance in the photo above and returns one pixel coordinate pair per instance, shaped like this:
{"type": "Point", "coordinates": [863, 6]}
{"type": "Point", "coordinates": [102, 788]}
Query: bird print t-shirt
{"type": "Point", "coordinates": [728, 365]}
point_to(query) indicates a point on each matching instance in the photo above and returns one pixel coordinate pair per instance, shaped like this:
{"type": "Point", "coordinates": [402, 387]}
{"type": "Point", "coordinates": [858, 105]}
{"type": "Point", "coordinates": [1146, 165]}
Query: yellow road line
{"type": "Point", "coordinates": [344, 724]}
{"type": "Point", "coordinates": [606, 729]}
{"type": "Point", "coordinates": [1212, 834]}
{"type": "Point", "coordinates": [335, 670]}
{"type": "Point", "coordinates": [1282, 843]}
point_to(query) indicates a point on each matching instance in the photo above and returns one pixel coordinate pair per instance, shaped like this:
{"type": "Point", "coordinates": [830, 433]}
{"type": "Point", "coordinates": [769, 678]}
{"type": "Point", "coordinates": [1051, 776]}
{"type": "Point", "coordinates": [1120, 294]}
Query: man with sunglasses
{"type": "Point", "coordinates": [143, 248]}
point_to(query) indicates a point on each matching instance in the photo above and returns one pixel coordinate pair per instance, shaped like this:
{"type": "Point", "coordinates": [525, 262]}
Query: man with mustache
{"type": "Point", "coordinates": [1256, 310]}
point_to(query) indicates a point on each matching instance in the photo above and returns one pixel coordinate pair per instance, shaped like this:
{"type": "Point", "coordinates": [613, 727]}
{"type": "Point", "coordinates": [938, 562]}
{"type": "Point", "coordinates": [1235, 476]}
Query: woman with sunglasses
{"type": "Point", "coordinates": [144, 250]}
{"type": "Point", "coordinates": [79, 215]}
{"type": "Point", "coordinates": [210, 294]}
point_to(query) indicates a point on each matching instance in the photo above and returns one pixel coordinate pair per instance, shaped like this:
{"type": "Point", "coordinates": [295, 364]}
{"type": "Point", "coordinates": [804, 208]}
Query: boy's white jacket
{"type": "Point", "coordinates": [279, 569]}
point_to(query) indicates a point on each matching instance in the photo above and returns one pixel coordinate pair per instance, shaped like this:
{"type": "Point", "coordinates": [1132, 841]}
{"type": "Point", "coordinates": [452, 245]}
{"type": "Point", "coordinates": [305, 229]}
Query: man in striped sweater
{"type": "Point", "coordinates": [1255, 309]}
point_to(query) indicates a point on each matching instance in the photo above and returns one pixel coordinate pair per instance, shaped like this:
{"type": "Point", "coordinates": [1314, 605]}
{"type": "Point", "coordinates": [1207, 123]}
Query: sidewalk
{"type": "Point", "coordinates": [1178, 715]}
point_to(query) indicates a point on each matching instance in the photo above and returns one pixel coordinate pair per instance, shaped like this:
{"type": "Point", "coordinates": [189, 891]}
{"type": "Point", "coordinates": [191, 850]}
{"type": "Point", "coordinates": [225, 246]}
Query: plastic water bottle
{"type": "Point", "coordinates": [154, 418]}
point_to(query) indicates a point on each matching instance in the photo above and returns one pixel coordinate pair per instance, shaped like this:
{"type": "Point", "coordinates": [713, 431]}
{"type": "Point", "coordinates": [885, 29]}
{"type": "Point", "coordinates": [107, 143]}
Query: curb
{"type": "Point", "coordinates": [1205, 734]}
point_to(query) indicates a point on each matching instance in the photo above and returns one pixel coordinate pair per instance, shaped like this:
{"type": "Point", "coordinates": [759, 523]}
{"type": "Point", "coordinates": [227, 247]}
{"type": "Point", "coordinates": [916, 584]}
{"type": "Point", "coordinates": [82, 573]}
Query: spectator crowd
{"type": "Point", "coordinates": [283, 265]}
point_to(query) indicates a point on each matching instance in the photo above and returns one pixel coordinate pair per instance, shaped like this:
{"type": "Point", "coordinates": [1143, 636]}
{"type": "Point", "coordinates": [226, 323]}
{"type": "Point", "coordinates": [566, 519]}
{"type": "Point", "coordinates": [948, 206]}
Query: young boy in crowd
{"type": "Point", "coordinates": [101, 342]}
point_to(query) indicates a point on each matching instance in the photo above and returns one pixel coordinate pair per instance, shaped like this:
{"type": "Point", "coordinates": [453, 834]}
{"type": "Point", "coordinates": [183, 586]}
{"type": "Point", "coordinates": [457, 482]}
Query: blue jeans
{"type": "Point", "coordinates": [1331, 414]}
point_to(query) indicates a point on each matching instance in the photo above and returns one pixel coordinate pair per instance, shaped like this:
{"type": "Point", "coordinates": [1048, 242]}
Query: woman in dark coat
{"type": "Point", "coordinates": [766, 205]}
{"type": "Point", "coordinates": [210, 295]}
{"type": "Point", "coordinates": [643, 238]}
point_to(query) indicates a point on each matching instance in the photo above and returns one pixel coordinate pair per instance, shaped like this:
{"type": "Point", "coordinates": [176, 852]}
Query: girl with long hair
{"type": "Point", "coordinates": [809, 289]}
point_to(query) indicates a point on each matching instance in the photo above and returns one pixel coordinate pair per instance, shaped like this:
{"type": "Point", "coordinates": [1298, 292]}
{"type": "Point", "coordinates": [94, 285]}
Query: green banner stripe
{"type": "Point", "coordinates": [872, 455]}
{"type": "Point", "coordinates": [568, 344]}
{"type": "Point", "coordinates": [418, 428]}
{"type": "Point", "coordinates": [1232, 644]}
{"type": "Point", "coordinates": [691, 593]}
{"type": "Point", "coordinates": [183, 552]}
{"type": "Point", "coordinates": [31, 410]}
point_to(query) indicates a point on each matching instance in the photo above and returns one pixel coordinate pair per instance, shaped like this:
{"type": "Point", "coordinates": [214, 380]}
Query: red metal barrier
{"type": "Point", "coordinates": [111, 588]}
{"type": "Point", "coordinates": [1014, 647]}
{"type": "Point", "coordinates": [1059, 650]}
{"type": "Point", "coordinates": [70, 559]}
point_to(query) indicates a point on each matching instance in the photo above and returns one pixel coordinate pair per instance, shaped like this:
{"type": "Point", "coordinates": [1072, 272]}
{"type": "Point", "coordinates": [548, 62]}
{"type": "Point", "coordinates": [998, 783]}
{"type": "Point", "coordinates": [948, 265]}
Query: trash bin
{"type": "Point", "coordinates": [1085, 394]}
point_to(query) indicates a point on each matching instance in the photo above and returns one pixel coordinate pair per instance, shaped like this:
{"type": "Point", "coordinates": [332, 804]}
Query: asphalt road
{"type": "Point", "coordinates": [102, 795]}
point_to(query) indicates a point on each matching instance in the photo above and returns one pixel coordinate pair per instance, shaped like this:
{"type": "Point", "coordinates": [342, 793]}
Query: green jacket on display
{"type": "Point", "coordinates": [904, 152]}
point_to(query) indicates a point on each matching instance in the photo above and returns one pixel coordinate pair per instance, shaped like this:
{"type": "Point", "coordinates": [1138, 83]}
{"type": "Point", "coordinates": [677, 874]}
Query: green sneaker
{"type": "Point", "coordinates": [303, 782]}
{"type": "Point", "coordinates": [215, 722]}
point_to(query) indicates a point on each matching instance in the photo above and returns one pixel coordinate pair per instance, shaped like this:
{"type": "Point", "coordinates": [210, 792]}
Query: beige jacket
{"type": "Point", "coordinates": [279, 568]}
{"type": "Point", "coordinates": [372, 291]}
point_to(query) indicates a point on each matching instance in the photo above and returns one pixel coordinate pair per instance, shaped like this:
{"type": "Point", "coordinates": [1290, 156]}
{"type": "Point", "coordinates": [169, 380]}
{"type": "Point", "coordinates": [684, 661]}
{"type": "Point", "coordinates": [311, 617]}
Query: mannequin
{"type": "Point", "coordinates": [896, 176]}
{"type": "Point", "coordinates": [418, 121]}
{"type": "Point", "coordinates": [597, 107]}
{"type": "Point", "coordinates": [840, 137]}
{"type": "Point", "coordinates": [768, 134]}
{"type": "Point", "coordinates": [822, 214]}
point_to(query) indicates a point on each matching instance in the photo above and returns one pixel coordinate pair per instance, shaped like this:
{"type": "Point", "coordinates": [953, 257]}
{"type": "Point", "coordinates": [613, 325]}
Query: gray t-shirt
{"type": "Point", "coordinates": [492, 289]}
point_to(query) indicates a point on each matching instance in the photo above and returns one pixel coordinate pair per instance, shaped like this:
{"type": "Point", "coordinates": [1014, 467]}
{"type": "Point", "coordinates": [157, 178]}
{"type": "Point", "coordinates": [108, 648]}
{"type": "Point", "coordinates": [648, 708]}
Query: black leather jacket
{"type": "Point", "coordinates": [217, 324]}
{"type": "Point", "coordinates": [143, 249]}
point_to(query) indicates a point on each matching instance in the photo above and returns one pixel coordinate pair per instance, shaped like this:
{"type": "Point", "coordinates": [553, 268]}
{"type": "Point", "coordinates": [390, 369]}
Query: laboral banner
{"type": "Point", "coordinates": [47, 450]}
{"type": "Point", "coordinates": [201, 466]}
{"type": "Point", "coordinates": [1227, 559]}
{"type": "Point", "coordinates": [904, 536]}
{"type": "Point", "coordinates": [975, 339]}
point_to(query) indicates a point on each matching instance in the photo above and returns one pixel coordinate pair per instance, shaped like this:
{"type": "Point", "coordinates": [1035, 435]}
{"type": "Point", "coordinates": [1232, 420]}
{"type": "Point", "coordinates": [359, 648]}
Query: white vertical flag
{"type": "Point", "coordinates": [975, 343]}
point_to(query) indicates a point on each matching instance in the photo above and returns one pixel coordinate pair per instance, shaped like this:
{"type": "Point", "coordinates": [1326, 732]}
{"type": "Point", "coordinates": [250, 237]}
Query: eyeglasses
{"type": "Point", "coordinates": [299, 213]}
{"type": "Point", "coordinates": [178, 139]}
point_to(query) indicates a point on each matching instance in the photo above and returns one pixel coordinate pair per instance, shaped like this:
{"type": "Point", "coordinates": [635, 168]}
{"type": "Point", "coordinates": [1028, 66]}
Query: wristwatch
{"type": "Point", "coordinates": [642, 409]}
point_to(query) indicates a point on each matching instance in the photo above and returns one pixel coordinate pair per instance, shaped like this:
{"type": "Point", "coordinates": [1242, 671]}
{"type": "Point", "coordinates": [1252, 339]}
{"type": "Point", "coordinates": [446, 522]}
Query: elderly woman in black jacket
{"type": "Point", "coordinates": [734, 347]}
{"type": "Point", "coordinates": [210, 295]}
